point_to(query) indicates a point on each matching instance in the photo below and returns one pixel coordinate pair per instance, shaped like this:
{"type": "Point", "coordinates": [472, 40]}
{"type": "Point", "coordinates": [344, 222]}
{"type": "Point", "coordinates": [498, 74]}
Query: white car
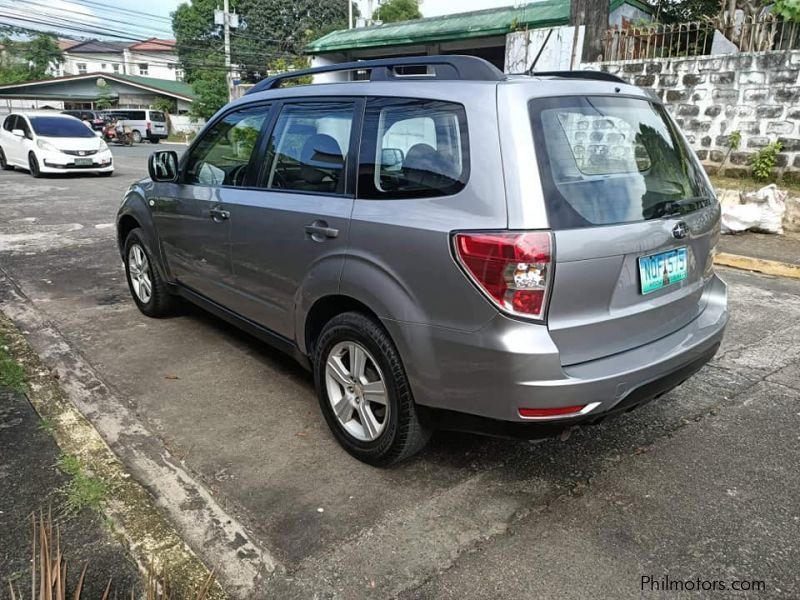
{"type": "Point", "coordinates": [46, 142]}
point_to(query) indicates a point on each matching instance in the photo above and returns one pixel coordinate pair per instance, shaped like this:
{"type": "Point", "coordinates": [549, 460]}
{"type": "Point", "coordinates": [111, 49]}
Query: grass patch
{"type": "Point", "coordinates": [12, 375]}
{"type": "Point", "coordinates": [83, 490]}
{"type": "Point", "coordinates": [748, 185]}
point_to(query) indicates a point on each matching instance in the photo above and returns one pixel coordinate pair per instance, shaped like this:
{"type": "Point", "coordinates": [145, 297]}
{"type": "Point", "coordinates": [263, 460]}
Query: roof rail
{"type": "Point", "coordinates": [585, 74]}
{"type": "Point", "coordinates": [451, 67]}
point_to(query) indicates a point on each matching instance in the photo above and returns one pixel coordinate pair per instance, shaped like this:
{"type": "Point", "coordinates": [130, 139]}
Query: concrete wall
{"type": "Point", "coordinates": [556, 51]}
{"type": "Point", "coordinates": [757, 94]}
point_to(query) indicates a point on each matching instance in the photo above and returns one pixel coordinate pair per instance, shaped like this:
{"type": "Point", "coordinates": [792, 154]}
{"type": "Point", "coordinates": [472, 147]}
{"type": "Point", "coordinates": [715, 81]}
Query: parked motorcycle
{"type": "Point", "coordinates": [116, 131]}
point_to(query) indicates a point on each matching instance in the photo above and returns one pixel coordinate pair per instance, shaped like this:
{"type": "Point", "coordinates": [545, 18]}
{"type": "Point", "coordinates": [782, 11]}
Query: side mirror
{"type": "Point", "coordinates": [391, 158]}
{"type": "Point", "coordinates": [18, 132]}
{"type": "Point", "coordinates": [163, 166]}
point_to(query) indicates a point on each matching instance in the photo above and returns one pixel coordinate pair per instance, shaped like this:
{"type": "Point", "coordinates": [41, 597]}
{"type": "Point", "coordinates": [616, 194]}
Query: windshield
{"type": "Point", "coordinates": [607, 159]}
{"type": "Point", "coordinates": [66, 127]}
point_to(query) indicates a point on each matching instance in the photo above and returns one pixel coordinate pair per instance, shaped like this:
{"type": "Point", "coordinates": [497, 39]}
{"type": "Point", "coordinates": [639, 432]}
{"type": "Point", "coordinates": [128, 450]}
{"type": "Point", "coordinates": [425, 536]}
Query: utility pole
{"type": "Point", "coordinates": [349, 14]}
{"type": "Point", "coordinates": [228, 21]}
{"type": "Point", "coordinates": [227, 26]}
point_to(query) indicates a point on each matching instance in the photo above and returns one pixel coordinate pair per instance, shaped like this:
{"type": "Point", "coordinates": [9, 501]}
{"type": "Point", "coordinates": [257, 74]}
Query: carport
{"type": "Point", "coordinates": [84, 91]}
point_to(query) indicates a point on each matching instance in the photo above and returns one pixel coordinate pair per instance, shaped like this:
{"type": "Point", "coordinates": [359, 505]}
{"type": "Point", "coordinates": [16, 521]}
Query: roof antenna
{"type": "Point", "coordinates": [535, 60]}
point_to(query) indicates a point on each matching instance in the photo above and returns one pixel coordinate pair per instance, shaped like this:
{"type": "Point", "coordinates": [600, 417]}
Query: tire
{"type": "Point", "coordinates": [155, 140]}
{"type": "Point", "coordinates": [33, 166]}
{"type": "Point", "coordinates": [4, 163]}
{"type": "Point", "coordinates": [399, 434]}
{"type": "Point", "coordinates": [158, 303]}
{"type": "Point", "coordinates": [137, 137]}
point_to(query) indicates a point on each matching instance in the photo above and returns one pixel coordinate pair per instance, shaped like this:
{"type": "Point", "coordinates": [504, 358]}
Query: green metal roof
{"type": "Point", "coordinates": [460, 26]}
{"type": "Point", "coordinates": [177, 88]}
{"type": "Point", "coordinates": [479, 23]}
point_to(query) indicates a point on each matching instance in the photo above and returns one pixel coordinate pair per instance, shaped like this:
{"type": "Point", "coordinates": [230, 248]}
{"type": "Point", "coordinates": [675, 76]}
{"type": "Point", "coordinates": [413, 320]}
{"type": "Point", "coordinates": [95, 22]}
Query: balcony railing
{"type": "Point", "coordinates": [749, 34]}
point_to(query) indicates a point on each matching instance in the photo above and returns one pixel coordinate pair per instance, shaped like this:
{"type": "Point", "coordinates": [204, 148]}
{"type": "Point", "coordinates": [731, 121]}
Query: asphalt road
{"type": "Point", "coordinates": [702, 485]}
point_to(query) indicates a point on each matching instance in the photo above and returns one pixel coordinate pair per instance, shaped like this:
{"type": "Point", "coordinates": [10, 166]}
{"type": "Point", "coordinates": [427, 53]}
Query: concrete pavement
{"type": "Point", "coordinates": [700, 483]}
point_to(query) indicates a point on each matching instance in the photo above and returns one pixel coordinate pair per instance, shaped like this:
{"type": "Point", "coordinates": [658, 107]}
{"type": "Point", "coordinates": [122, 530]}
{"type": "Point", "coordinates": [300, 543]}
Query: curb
{"type": "Point", "coordinates": [761, 265]}
{"type": "Point", "coordinates": [136, 521]}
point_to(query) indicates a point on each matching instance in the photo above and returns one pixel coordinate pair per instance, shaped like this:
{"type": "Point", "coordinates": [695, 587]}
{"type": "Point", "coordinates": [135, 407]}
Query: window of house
{"type": "Point", "coordinates": [413, 149]}
{"type": "Point", "coordinates": [221, 157]}
{"type": "Point", "coordinates": [103, 66]}
{"type": "Point", "coordinates": [81, 67]}
{"type": "Point", "coordinates": [115, 67]}
{"type": "Point", "coordinates": [143, 69]}
{"type": "Point", "coordinates": [308, 148]}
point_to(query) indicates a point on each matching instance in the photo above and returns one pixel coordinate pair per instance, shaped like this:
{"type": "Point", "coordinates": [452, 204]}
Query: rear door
{"type": "Point", "coordinates": [297, 228]}
{"type": "Point", "coordinates": [634, 221]}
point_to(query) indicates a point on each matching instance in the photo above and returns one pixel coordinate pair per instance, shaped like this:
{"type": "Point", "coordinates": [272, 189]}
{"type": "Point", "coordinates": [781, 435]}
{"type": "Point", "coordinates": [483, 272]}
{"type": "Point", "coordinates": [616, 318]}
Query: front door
{"type": "Point", "coordinates": [294, 234]}
{"type": "Point", "coordinates": [193, 216]}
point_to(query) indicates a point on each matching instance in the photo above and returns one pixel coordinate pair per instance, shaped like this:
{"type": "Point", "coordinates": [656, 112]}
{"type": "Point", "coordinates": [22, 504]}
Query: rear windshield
{"type": "Point", "coordinates": [60, 127]}
{"type": "Point", "coordinates": [606, 160]}
{"type": "Point", "coordinates": [156, 115]}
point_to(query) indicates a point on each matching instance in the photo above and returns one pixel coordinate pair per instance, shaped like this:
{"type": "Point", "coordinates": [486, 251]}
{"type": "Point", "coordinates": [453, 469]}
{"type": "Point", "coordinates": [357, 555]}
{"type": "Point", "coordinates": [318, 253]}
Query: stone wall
{"type": "Point", "coordinates": [757, 94]}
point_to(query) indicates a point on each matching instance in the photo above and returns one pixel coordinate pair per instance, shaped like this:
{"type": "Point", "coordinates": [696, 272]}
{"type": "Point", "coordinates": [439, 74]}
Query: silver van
{"type": "Point", "coordinates": [443, 245]}
{"type": "Point", "coordinates": [145, 124]}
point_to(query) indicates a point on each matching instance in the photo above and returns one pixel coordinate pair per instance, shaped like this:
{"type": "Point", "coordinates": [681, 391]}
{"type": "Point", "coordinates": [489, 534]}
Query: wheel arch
{"type": "Point", "coordinates": [322, 311]}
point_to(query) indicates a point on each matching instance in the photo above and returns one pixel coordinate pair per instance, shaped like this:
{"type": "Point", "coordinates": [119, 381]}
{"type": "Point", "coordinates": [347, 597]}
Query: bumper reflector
{"type": "Point", "coordinates": [560, 411]}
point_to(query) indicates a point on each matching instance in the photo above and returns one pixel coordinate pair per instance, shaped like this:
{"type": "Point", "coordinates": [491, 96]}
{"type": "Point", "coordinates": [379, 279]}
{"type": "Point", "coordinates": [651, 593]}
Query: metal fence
{"type": "Point", "coordinates": [748, 34]}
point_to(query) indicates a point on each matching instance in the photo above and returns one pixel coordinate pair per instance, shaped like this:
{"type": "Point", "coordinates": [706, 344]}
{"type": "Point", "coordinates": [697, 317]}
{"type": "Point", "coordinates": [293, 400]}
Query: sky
{"type": "Point", "coordinates": [91, 13]}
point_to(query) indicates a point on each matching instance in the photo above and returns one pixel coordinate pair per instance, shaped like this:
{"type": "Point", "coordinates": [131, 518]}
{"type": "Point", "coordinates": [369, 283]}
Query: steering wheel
{"type": "Point", "coordinates": [237, 175]}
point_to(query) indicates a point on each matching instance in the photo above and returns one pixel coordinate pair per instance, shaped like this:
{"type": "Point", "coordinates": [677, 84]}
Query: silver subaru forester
{"type": "Point", "coordinates": [445, 246]}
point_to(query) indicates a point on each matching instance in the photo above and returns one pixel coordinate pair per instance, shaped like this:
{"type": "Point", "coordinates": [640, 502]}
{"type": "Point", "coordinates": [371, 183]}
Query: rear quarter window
{"type": "Point", "coordinates": [413, 148]}
{"type": "Point", "coordinates": [610, 159]}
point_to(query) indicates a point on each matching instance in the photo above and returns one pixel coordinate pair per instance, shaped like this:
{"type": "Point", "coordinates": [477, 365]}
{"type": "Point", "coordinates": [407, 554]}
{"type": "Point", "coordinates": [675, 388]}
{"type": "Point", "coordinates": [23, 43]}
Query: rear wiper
{"type": "Point", "coordinates": [678, 207]}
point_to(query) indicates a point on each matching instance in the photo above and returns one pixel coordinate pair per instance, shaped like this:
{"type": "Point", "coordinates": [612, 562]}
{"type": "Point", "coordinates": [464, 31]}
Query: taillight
{"type": "Point", "coordinates": [512, 268]}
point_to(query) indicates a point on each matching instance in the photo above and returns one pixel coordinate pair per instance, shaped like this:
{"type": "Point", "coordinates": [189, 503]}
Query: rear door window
{"type": "Point", "coordinates": [605, 160]}
{"type": "Point", "coordinates": [308, 148]}
{"type": "Point", "coordinates": [157, 116]}
{"type": "Point", "coordinates": [413, 148]}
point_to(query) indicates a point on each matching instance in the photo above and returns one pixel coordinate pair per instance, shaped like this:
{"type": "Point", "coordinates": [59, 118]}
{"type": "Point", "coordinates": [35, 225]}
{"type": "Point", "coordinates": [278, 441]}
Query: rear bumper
{"type": "Point", "coordinates": [157, 135]}
{"type": "Point", "coordinates": [507, 365]}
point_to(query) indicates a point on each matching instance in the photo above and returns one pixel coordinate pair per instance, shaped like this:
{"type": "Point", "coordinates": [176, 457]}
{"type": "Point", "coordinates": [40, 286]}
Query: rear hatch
{"type": "Point", "coordinates": [159, 121]}
{"type": "Point", "coordinates": [634, 223]}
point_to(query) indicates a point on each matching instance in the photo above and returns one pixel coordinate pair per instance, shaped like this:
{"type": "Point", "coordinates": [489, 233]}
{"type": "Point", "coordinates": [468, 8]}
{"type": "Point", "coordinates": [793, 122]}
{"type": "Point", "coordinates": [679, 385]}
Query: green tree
{"type": "Point", "coordinates": [268, 29]}
{"type": "Point", "coordinates": [42, 52]}
{"type": "Point", "coordinates": [397, 10]}
{"type": "Point", "coordinates": [211, 92]}
{"type": "Point", "coordinates": [23, 60]}
{"type": "Point", "coordinates": [104, 98]}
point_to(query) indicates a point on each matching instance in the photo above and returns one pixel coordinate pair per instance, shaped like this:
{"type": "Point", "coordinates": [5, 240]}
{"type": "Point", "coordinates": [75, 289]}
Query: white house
{"type": "Point", "coordinates": [152, 58]}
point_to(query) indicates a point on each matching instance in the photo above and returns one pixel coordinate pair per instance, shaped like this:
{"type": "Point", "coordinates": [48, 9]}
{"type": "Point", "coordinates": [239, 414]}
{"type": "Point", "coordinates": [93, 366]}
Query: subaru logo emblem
{"type": "Point", "coordinates": [680, 231]}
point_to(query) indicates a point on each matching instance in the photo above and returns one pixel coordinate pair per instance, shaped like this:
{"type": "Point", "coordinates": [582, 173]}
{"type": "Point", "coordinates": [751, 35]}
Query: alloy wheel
{"type": "Point", "coordinates": [139, 272]}
{"type": "Point", "coordinates": [357, 391]}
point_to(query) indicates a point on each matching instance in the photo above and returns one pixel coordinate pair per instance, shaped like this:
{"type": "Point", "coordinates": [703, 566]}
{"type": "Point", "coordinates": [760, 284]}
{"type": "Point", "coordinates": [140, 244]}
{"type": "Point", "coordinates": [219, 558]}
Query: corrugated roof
{"type": "Point", "coordinates": [97, 46]}
{"type": "Point", "coordinates": [154, 45]}
{"type": "Point", "coordinates": [479, 23]}
{"type": "Point", "coordinates": [177, 88]}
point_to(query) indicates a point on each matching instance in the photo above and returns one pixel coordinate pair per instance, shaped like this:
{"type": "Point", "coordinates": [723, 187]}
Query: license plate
{"type": "Point", "coordinates": [657, 271]}
{"type": "Point", "coordinates": [83, 162]}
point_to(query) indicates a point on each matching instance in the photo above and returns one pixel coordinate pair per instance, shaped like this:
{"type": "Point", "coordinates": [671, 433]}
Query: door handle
{"type": "Point", "coordinates": [319, 231]}
{"type": "Point", "coordinates": [218, 215]}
